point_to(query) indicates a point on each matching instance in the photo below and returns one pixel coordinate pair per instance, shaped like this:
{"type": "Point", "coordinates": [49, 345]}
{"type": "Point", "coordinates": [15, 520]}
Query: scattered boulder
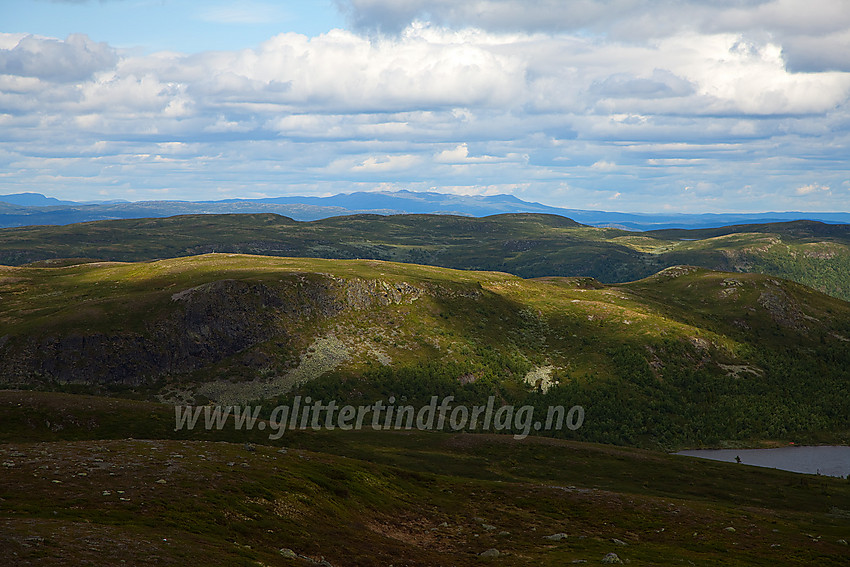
{"type": "Point", "coordinates": [490, 553]}
{"type": "Point", "coordinates": [556, 537]}
{"type": "Point", "coordinates": [611, 558]}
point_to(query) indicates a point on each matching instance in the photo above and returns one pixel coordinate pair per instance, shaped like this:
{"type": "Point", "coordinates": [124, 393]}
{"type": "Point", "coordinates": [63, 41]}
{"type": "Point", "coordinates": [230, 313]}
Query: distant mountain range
{"type": "Point", "coordinates": [26, 209]}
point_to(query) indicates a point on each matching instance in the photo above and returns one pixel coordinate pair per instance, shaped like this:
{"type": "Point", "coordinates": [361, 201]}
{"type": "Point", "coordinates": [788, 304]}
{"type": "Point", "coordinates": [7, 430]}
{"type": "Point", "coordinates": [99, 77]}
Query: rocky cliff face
{"type": "Point", "coordinates": [197, 327]}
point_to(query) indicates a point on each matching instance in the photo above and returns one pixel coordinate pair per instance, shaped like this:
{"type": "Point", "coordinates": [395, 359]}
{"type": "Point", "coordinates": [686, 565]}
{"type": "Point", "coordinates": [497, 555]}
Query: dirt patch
{"type": "Point", "coordinates": [325, 354]}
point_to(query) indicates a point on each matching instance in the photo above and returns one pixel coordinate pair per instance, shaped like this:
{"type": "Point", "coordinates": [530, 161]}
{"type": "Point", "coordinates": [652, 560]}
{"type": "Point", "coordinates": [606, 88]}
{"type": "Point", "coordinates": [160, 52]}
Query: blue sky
{"type": "Point", "coordinates": [629, 105]}
{"type": "Point", "coordinates": [180, 25]}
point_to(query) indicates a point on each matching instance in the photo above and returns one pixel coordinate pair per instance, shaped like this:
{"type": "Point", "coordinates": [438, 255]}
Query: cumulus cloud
{"type": "Point", "coordinates": [77, 58]}
{"type": "Point", "coordinates": [342, 71]}
{"type": "Point", "coordinates": [458, 154]}
{"type": "Point", "coordinates": [807, 29]}
{"type": "Point", "coordinates": [574, 111]}
{"type": "Point", "coordinates": [650, 17]}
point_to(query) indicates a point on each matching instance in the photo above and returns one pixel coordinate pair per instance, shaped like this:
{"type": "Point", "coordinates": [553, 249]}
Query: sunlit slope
{"type": "Point", "coordinates": [528, 245]}
{"type": "Point", "coordinates": [687, 354]}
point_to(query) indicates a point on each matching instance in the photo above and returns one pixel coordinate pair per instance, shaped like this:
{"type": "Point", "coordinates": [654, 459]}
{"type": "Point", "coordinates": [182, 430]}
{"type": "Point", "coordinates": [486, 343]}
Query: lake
{"type": "Point", "coordinates": [831, 460]}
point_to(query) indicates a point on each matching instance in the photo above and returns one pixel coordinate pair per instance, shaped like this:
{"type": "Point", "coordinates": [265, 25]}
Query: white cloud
{"type": "Point", "coordinates": [707, 105]}
{"type": "Point", "coordinates": [813, 32]}
{"type": "Point", "coordinates": [811, 188]}
{"type": "Point", "coordinates": [603, 165]}
{"type": "Point", "coordinates": [10, 40]}
{"type": "Point", "coordinates": [76, 58]}
{"type": "Point", "coordinates": [342, 71]}
{"type": "Point", "coordinates": [458, 154]}
{"type": "Point", "coordinates": [750, 78]}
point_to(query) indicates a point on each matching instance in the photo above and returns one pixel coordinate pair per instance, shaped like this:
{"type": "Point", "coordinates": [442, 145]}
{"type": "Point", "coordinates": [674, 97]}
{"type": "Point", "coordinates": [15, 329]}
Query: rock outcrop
{"type": "Point", "coordinates": [192, 328]}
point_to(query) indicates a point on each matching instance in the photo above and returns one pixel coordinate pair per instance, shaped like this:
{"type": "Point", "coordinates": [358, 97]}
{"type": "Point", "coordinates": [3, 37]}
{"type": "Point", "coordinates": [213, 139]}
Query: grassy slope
{"type": "Point", "coordinates": [528, 245]}
{"type": "Point", "coordinates": [681, 358]}
{"type": "Point", "coordinates": [79, 490]}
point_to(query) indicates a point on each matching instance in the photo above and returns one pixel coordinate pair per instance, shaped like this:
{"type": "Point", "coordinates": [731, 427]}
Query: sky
{"type": "Point", "coordinates": [620, 105]}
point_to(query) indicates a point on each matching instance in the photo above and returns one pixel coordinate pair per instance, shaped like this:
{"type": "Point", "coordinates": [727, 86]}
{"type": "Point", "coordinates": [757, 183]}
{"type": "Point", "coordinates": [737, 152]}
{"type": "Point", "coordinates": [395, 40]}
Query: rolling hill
{"type": "Point", "coordinates": [529, 245]}
{"type": "Point", "coordinates": [684, 357]}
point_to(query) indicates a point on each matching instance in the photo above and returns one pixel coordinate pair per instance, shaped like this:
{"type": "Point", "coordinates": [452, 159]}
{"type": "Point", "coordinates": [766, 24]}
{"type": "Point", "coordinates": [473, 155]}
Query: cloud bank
{"type": "Point", "coordinates": [803, 27]}
{"type": "Point", "coordinates": [623, 104]}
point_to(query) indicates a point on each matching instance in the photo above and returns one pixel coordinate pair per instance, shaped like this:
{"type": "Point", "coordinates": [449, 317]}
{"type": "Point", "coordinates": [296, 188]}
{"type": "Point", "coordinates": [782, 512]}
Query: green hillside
{"type": "Point", "coordinates": [528, 245]}
{"type": "Point", "coordinates": [682, 358]}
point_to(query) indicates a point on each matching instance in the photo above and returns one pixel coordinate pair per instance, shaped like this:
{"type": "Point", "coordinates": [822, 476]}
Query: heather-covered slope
{"type": "Point", "coordinates": [687, 356]}
{"type": "Point", "coordinates": [76, 490]}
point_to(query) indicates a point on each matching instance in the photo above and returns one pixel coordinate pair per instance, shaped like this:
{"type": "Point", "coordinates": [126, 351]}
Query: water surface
{"type": "Point", "coordinates": [831, 460]}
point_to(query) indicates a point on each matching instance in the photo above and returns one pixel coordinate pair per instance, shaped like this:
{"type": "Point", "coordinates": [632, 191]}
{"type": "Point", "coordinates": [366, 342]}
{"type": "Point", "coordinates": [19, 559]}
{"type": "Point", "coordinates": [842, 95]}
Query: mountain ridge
{"type": "Point", "coordinates": [21, 210]}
